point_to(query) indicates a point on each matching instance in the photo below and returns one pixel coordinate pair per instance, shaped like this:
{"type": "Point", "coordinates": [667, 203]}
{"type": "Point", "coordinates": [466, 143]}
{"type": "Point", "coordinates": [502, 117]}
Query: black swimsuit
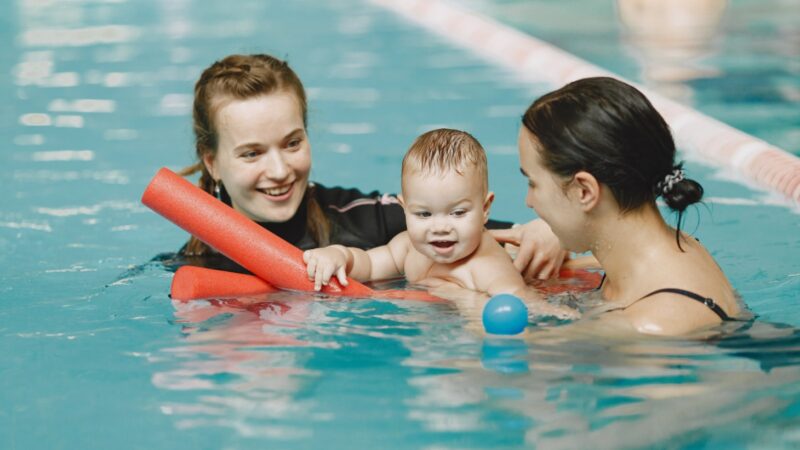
{"type": "Point", "coordinates": [709, 302]}
{"type": "Point", "coordinates": [694, 296]}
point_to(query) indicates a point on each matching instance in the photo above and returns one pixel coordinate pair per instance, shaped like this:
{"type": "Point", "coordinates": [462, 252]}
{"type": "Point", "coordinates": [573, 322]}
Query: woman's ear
{"type": "Point", "coordinates": [208, 160]}
{"type": "Point", "coordinates": [487, 205]}
{"type": "Point", "coordinates": [586, 190]}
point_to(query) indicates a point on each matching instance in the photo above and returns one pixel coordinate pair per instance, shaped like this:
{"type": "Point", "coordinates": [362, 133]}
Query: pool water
{"type": "Point", "coordinates": [735, 60]}
{"type": "Point", "coordinates": [97, 356]}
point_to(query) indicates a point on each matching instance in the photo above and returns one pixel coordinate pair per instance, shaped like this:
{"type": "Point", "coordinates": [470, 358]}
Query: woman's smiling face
{"type": "Point", "coordinates": [263, 156]}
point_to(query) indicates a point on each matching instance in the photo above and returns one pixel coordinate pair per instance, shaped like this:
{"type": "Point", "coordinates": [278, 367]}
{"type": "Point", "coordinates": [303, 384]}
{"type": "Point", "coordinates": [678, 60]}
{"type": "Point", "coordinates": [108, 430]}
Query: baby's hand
{"type": "Point", "coordinates": [322, 263]}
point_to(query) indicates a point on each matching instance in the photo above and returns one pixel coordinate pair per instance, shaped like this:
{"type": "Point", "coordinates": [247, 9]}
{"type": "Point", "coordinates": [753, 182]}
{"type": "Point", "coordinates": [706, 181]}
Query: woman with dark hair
{"type": "Point", "coordinates": [253, 153]}
{"type": "Point", "coordinates": [597, 155]}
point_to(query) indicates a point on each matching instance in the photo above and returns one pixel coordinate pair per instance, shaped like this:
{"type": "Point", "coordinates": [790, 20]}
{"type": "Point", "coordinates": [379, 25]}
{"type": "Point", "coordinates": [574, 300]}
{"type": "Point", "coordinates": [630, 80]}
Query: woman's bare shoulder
{"type": "Point", "coordinates": [668, 314]}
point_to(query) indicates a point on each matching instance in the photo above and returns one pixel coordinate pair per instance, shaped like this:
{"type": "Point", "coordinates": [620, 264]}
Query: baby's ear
{"type": "Point", "coordinates": [487, 205]}
{"type": "Point", "coordinates": [401, 200]}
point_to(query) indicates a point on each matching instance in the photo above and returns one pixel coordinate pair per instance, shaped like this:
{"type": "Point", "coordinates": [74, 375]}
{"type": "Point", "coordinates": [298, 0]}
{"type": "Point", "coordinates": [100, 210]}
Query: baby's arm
{"type": "Point", "coordinates": [501, 278]}
{"type": "Point", "coordinates": [388, 261]}
{"type": "Point", "coordinates": [377, 263]}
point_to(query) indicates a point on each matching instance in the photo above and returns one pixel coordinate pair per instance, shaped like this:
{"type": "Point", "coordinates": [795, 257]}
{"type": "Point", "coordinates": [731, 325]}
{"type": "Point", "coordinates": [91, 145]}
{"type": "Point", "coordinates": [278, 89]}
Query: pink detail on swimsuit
{"type": "Point", "coordinates": [384, 199]}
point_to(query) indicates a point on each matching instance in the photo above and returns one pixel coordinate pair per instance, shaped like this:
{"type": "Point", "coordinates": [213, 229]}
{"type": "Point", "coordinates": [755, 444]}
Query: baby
{"type": "Point", "coordinates": [446, 198]}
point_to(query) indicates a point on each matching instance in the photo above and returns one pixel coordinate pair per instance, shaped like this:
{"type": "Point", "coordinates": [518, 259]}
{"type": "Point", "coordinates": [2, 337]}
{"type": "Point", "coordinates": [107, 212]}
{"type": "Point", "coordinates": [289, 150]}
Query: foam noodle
{"type": "Point", "coordinates": [570, 280]}
{"type": "Point", "coordinates": [256, 249]}
{"type": "Point", "coordinates": [191, 283]}
{"type": "Point", "coordinates": [194, 283]}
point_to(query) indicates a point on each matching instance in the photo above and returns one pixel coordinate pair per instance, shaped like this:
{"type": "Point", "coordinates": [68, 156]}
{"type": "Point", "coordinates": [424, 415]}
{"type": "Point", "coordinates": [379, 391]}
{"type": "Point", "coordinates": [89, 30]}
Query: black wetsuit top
{"type": "Point", "coordinates": [357, 220]}
{"type": "Point", "coordinates": [709, 302]}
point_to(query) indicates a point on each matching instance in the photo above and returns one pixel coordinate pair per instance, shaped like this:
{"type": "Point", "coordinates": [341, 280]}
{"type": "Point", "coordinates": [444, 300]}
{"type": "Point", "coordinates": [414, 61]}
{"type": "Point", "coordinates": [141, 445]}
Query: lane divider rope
{"type": "Point", "coordinates": [698, 135]}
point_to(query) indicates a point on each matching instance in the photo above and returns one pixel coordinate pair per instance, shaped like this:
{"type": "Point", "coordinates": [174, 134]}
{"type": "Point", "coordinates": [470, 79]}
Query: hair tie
{"type": "Point", "coordinates": [670, 180]}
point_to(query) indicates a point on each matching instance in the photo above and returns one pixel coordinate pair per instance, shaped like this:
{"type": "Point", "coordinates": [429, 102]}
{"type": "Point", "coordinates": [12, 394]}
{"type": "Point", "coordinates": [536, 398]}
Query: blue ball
{"type": "Point", "coordinates": [505, 314]}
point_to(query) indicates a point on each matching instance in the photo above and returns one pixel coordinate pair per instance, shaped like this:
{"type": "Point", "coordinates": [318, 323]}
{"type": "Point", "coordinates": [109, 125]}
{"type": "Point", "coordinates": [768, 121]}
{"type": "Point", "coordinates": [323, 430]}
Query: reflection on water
{"type": "Point", "coordinates": [256, 365]}
{"type": "Point", "coordinates": [671, 38]}
{"type": "Point", "coordinates": [237, 355]}
{"type": "Point", "coordinates": [99, 96]}
{"type": "Point", "coordinates": [282, 365]}
{"type": "Point", "coordinates": [583, 392]}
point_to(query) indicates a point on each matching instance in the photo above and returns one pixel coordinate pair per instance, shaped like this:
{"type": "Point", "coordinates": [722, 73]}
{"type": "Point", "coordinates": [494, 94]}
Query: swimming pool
{"type": "Point", "coordinates": [96, 355]}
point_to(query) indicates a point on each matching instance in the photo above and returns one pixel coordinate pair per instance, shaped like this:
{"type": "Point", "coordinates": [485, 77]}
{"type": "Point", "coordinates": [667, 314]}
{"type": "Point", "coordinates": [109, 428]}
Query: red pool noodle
{"type": "Point", "coordinates": [191, 283]}
{"type": "Point", "coordinates": [256, 249]}
{"type": "Point", "coordinates": [570, 280]}
{"type": "Point", "coordinates": [194, 283]}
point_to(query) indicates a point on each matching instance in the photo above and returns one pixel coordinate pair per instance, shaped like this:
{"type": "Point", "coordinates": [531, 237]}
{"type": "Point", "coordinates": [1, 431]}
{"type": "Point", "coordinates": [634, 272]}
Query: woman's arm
{"type": "Point", "coordinates": [497, 278]}
{"type": "Point", "coordinates": [540, 253]}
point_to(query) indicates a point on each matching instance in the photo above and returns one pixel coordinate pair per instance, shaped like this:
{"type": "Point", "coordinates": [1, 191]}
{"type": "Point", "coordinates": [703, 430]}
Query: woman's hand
{"type": "Point", "coordinates": [323, 263]}
{"type": "Point", "coordinates": [543, 308]}
{"type": "Point", "coordinates": [540, 254]}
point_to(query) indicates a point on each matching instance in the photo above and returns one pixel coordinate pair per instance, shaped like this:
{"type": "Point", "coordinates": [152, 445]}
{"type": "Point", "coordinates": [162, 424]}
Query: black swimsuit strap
{"type": "Point", "coordinates": [602, 280]}
{"type": "Point", "coordinates": [709, 302]}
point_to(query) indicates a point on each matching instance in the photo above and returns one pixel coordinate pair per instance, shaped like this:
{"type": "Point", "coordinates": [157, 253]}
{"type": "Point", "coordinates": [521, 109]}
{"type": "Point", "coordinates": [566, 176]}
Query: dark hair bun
{"type": "Point", "coordinates": [683, 193]}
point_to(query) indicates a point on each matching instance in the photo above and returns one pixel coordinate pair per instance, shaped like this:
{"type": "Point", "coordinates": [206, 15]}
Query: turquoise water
{"type": "Point", "coordinates": [96, 356]}
{"type": "Point", "coordinates": [740, 64]}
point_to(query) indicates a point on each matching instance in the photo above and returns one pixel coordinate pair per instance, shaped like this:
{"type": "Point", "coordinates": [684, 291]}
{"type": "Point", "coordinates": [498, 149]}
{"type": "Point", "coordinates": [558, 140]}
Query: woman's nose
{"type": "Point", "coordinates": [275, 167]}
{"type": "Point", "coordinates": [528, 199]}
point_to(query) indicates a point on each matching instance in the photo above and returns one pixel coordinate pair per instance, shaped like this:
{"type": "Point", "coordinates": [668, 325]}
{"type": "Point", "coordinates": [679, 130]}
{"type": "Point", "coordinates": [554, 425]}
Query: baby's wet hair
{"type": "Point", "coordinates": [443, 150]}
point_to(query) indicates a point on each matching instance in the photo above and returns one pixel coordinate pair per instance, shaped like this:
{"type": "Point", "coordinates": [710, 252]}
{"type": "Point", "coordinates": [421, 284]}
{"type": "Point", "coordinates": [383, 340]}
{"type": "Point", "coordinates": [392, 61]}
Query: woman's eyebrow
{"type": "Point", "coordinates": [257, 145]}
{"type": "Point", "coordinates": [247, 146]}
{"type": "Point", "coordinates": [294, 132]}
{"type": "Point", "coordinates": [522, 171]}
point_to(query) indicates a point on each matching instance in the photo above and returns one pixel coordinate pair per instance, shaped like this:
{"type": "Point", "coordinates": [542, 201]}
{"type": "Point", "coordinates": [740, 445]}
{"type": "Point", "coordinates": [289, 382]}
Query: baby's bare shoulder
{"type": "Point", "coordinates": [491, 252]}
{"type": "Point", "coordinates": [491, 264]}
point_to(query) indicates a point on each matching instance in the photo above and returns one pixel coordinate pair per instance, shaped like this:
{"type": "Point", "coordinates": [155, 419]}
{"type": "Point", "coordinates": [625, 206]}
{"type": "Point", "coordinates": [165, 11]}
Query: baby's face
{"type": "Point", "coordinates": [445, 213]}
